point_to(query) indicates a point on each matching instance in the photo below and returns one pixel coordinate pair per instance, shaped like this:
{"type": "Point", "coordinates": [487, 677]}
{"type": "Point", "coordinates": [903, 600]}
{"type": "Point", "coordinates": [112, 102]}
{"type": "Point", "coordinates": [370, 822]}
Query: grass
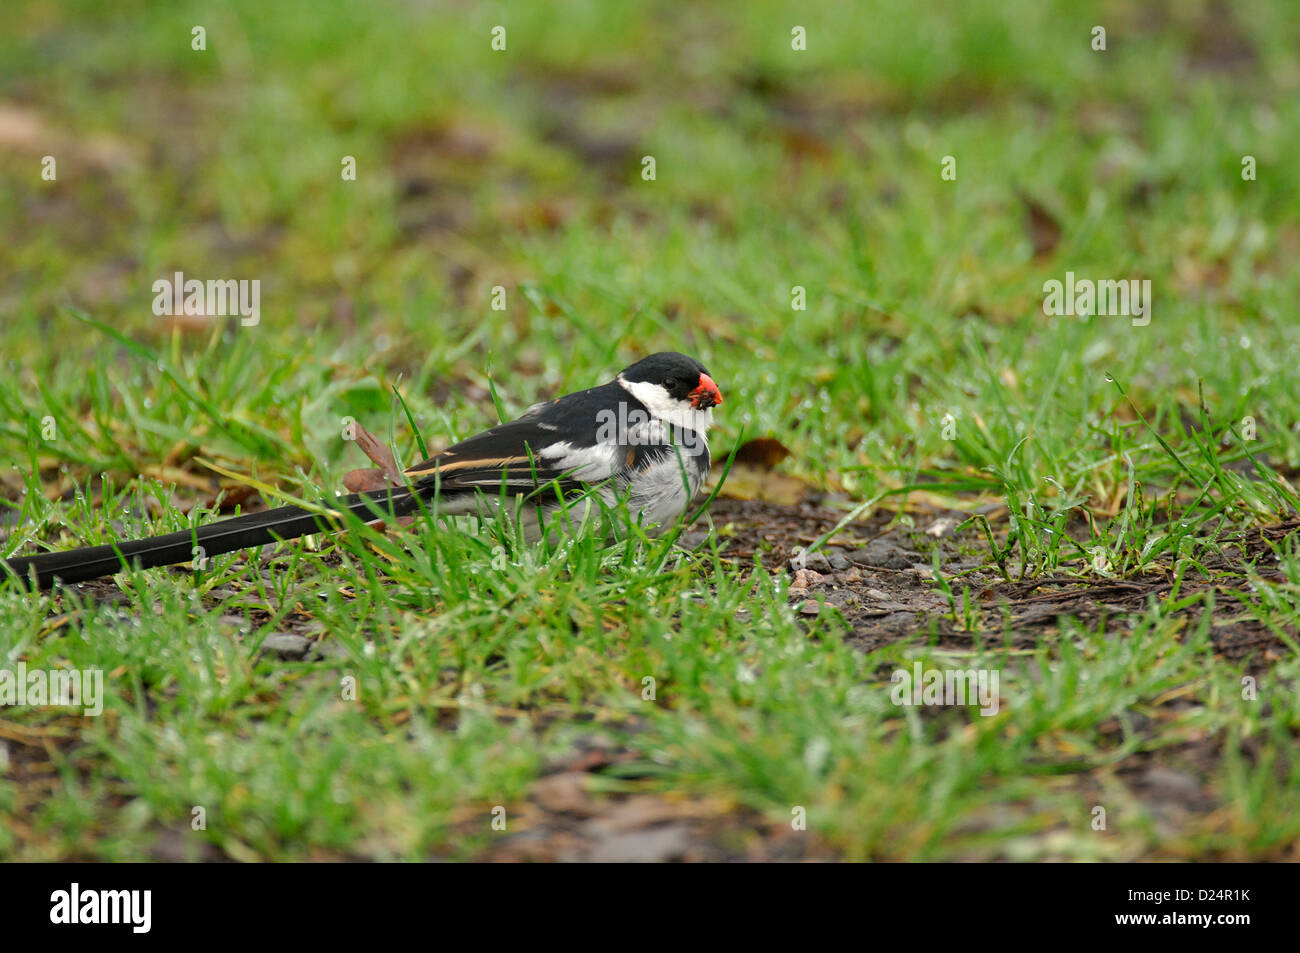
{"type": "Point", "coordinates": [923, 371]}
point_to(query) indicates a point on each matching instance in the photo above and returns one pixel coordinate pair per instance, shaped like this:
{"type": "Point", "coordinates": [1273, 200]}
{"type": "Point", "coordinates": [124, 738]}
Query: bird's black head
{"type": "Point", "coordinates": [683, 378]}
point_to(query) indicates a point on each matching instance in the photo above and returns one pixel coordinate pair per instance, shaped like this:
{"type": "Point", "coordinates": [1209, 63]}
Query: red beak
{"type": "Point", "coordinates": [706, 395]}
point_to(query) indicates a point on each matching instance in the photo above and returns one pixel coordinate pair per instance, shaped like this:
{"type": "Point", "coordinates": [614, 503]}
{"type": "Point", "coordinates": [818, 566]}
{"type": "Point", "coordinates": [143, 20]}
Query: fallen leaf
{"type": "Point", "coordinates": [753, 476]}
{"type": "Point", "coordinates": [388, 473]}
{"type": "Point", "coordinates": [1044, 230]}
{"type": "Point", "coordinates": [761, 452]}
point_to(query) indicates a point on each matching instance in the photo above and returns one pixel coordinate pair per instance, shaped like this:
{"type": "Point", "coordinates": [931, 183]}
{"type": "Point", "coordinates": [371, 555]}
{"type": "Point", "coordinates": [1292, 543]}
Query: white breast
{"type": "Point", "coordinates": [662, 491]}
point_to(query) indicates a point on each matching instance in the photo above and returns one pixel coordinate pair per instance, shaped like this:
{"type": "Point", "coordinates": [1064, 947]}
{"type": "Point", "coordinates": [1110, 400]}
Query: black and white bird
{"type": "Point", "coordinates": [641, 438]}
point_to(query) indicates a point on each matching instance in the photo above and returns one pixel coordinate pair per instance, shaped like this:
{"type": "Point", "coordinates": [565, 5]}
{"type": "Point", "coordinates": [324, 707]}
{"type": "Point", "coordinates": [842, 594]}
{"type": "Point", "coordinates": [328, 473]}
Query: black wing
{"type": "Point", "coordinates": [557, 441]}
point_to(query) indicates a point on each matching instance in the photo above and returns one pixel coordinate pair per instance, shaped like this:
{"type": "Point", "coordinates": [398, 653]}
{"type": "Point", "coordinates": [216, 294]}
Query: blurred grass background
{"type": "Point", "coordinates": [775, 168]}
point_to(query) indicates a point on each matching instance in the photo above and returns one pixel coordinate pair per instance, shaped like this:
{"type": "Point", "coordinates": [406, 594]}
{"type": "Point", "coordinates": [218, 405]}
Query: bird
{"type": "Point", "coordinates": [641, 438]}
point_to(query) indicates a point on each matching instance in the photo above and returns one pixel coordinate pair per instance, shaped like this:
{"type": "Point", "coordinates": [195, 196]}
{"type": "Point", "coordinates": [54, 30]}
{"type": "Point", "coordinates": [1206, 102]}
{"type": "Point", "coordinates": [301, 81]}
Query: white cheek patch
{"type": "Point", "coordinates": [680, 413]}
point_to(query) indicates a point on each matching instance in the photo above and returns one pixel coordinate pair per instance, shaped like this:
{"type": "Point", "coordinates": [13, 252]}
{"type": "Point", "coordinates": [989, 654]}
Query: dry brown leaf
{"type": "Point", "coordinates": [762, 451]}
{"type": "Point", "coordinates": [753, 476]}
{"type": "Point", "coordinates": [1044, 230]}
{"type": "Point", "coordinates": [387, 474]}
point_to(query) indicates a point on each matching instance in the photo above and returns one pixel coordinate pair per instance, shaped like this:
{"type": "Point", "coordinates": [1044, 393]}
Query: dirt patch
{"type": "Point", "coordinates": [878, 576]}
{"type": "Point", "coordinates": [565, 820]}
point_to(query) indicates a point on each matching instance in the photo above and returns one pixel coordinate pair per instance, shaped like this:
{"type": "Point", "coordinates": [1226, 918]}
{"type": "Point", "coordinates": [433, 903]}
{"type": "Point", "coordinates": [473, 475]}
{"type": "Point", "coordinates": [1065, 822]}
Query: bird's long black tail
{"type": "Point", "coordinates": [224, 536]}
